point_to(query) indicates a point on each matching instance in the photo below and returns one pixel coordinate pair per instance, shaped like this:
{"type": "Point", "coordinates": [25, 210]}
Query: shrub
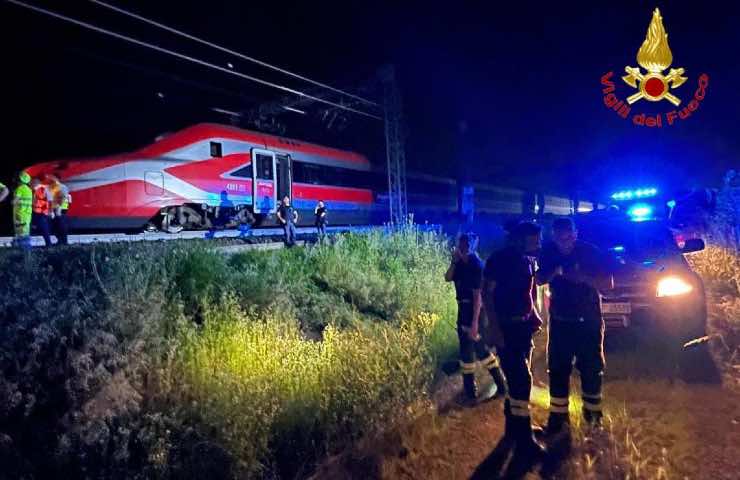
{"type": "Point", "coordinates": [169, 360]}
{"type": "Point", "coordinates": [274, 397]}
{"type": "Point", "coordinates": [719, 267]}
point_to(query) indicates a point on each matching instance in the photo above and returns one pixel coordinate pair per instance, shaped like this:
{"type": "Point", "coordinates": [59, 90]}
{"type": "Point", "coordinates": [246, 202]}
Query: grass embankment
{"type": "Point", "coordinates": [174, 361]}
{"type": "Point", "coordinates": [720, 269]}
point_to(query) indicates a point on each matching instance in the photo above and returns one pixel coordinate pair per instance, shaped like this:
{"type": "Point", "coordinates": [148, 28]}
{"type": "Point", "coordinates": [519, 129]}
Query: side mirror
{"type": "Point", "coordinates": [693, 245]}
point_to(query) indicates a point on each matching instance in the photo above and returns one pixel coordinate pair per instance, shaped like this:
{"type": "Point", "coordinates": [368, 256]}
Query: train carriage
{"type": "Point", "coordinates": [211, 175]}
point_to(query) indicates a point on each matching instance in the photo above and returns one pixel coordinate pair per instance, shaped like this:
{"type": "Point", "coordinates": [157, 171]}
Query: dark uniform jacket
{"type": "Point", "coordinates": [320, 217]}
{"type": "Point", "coordinates": [468, 277]}
{"type": "Point", "coordinates": [514, 277]}
{"type": "Point", "coordinates": [571, 300]}
{"type": "Point", "coordinates": [287, 213]}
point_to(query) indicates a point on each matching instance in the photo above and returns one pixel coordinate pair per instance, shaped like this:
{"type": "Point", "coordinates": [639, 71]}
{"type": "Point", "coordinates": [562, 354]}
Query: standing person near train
{"type": "Point", "coordinates": [576, 271]}
{"type": "Point", "coordinates": [510, 290]}
{"type": "Point", "coordinates": [288, 217]}
{"type": "Point", "coordinates": [466, 270]}
{"type": "Point", "coordinates": [61, 198]}
{"type": "Point", "coordinates": [22, 211]}
{"type": "Point", "coordinates": [42, 213]}
{"type": "Point", "coordinates": [320, 220]}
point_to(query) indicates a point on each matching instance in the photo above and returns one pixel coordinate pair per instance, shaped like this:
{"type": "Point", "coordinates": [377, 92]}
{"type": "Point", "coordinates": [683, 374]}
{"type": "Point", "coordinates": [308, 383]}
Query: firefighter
{"type": "Point", "coordinates": [60, 204]}
{"type": "Point", "coordinates": [22, 211]}
{"type": "Point", "coordinates": [288, 217]}
{"type": "Point", "coordinates": [575, 271]}
{"type": "Point", "coordinates": [42, 213]}
{"type": "Point", "coordinates": [509, 287]}
{"type": "Point", "coordinates": [466, 270]}
{"type": "Point", "coordinates": [320, 213]}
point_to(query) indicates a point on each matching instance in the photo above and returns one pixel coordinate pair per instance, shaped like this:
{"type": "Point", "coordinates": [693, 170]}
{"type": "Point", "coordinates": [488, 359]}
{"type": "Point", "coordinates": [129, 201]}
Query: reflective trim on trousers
{"type": "Point", "coordinates": [467, 367]}
{"type": "Point", "coordinates": [490, 362]}
{"type": "Point", "coordinates": [591, 406]}
{"type": "Point", "coordinates": [519, 408]}
{"type": "Point", "coordinates": [520, 412]}
{"type": "Point", "coordinates": [591, 396]}
{"type": "Point", "coordinates": [559, 404]}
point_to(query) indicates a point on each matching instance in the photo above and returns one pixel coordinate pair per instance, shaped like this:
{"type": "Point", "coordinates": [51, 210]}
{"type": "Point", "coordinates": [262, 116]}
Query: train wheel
{"type": "Point", "coordinates": [245, 217]}
{"type": "Point", "coordinates": [170, 223]}
{"type": "Point", "coordinates": [195, 218]}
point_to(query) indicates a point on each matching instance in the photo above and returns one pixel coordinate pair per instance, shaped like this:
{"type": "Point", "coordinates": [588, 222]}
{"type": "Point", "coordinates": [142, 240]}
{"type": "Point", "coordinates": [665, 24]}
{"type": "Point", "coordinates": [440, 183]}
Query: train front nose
{"type": "Point", "coordinates": [45, 169]}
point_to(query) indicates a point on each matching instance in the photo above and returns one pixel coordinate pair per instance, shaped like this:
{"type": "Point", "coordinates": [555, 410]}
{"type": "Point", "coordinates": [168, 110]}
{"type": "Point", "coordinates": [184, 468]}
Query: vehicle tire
{"type": "Point", "coordinates": [696, 365]}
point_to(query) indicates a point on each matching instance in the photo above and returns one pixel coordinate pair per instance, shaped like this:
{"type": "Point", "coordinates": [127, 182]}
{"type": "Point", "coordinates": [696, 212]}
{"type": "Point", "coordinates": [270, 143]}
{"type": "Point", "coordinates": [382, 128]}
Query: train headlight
{"type": "Point", "coordinates": [672, 286]}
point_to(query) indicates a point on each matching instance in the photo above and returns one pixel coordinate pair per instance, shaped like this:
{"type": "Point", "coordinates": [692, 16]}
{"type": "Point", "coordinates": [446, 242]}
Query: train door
{"type": "Point", "coordinates": [264, 189]}
{"type": "Point", "coordinates": [284, 176]}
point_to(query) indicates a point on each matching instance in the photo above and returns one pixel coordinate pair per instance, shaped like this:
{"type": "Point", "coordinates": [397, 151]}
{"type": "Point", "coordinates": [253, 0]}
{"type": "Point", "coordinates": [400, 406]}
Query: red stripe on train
{"type": "Point", "coordinates": [338, 194]}
{"type": "Point", "coordinates": [129, 198]}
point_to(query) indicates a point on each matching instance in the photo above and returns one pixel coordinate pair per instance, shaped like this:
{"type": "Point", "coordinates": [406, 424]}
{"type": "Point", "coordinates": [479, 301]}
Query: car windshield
{"type": "Point", "coordinates": [637, 240]}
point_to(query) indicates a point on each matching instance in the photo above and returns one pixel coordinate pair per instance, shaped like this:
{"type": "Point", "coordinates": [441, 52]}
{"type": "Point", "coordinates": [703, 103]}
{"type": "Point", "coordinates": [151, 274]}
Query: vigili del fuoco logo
{"type": "Point", "coordinates": [654, 85]}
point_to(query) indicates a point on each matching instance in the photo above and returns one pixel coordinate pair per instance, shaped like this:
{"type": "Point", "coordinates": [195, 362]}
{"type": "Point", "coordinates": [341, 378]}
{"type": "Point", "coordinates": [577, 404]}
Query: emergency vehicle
{"type": "Point", "coordinates": [655, 289]}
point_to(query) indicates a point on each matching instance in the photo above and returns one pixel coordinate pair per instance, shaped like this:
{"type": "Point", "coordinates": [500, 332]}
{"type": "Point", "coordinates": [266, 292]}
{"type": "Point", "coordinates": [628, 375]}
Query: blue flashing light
{"type": "Point", "coordinates": [618, 248]}
{"type": "Point", "coordinates": [640, 212]}
{"type": "Point", "coordinates": [632, 194]}
{"type": "Point", "coordinates": [671, 204]}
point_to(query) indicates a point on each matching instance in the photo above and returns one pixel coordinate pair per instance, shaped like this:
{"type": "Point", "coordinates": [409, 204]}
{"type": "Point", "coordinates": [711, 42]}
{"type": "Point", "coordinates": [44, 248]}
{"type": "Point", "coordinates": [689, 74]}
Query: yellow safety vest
{"type": "Point", "coordinates": [60, 194]}
{"type": "Point", "coordinates": [23, 205]}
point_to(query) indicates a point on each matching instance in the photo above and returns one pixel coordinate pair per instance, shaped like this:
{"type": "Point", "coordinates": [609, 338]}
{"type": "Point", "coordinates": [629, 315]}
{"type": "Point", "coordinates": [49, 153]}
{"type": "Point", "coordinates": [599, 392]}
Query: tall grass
{"type": "Point", "coordinates": [278, 396]}
{"type": "Point", "coordinates": [719, 267]}
{"type": "Point", "coordinates": [175, 361]}
{"type": "Point", "coordinates": [279, 400]}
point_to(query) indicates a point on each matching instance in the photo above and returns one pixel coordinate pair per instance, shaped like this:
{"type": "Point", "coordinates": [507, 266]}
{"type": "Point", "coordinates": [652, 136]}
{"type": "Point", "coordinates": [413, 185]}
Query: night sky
{"type": "Point", "coordinates": [504, 92]}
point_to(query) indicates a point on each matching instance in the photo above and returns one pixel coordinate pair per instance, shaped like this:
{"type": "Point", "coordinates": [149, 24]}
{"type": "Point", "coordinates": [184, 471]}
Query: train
{"type": "Point", "coordinates": [208, 175]}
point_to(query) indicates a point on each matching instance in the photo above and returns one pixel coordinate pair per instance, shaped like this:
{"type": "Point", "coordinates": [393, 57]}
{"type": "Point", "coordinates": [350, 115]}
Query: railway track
{"type": "Point", "coordinates": [255, 236]}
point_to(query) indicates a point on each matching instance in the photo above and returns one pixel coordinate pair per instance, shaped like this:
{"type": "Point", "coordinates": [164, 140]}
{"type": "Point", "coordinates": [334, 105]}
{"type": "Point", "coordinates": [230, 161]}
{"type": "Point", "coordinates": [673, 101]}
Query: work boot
{"type": "Point", "coordinates": [471, 390]}
{"type": "Point", "coordinates": [500, 381]}
{"type": "Point", "coordinates": [593, 419]}
{"type": "Point", "coordinates": [556, 423]}
{"type": "Point", "coordinates": [526, 443]}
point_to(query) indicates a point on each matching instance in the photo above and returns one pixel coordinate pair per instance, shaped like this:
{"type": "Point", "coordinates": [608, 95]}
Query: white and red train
{"type": "Point", "coordinates": [214, 175]}
{"type": "Point", "coordinates": [210, 174]}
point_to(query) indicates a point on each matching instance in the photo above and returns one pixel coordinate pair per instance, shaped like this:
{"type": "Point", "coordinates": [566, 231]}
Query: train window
{"type": "Point", "coordinates": [216, 149]}
{"type": "Point", "coordinates": [264, 167]}
{"type": "Point", "coordinates": [244, 172]}
{"type": "Point", "coordinates": [313, 174]}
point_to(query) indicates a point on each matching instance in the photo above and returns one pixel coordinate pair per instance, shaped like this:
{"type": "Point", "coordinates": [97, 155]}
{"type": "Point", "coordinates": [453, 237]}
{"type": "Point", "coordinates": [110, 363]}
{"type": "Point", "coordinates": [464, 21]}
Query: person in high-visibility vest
{"type": "Point", "coordinates": [42, 213]}
{"type": "Point", "coordinates": [22, 211]}
{"type": "Point", "coordinates": [61, 198]}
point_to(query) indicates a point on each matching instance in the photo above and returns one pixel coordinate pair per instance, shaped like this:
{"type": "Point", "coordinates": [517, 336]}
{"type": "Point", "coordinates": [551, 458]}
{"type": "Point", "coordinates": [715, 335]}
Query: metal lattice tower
{"type": "Point", "coordinates": [395, 152]}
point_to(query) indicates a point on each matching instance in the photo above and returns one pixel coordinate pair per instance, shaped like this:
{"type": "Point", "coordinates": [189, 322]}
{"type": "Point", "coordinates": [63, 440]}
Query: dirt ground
{"type": "Point", "coordinates": [656, 426]}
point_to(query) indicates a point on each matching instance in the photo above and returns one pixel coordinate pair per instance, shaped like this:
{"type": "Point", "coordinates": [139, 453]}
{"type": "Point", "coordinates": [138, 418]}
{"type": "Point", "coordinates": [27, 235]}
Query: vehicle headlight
{"type": "Point", "coordinates": [671, 286]}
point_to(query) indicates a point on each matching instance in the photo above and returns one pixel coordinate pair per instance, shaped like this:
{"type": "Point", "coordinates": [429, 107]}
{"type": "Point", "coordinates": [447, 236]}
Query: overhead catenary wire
{"type": "Point", "coordinates": [228, 50]}
{"type": "Point", "coordinates": [188, 58]}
